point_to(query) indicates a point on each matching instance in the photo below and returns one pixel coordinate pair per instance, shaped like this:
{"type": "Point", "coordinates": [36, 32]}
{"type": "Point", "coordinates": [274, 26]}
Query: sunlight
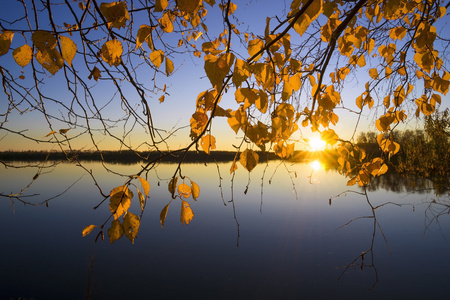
{"type": "Point", "coordinates": [317, 144]}
{"type": "Point", "coordinates": [316, 165]}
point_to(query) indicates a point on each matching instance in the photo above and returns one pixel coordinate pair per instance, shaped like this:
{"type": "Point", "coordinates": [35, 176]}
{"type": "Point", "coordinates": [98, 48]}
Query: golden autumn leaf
{"type": "Point", "coordinates": [131, 223]}
{"type": "Point", "coordinates": [195, 190]}
{"type": "Point", "coordinates": [50, 59]}
{"type": "Point", "coordinates": [43, 40]}
{"type": "Point", "coordinates": [186, 214]}
{"type": "Point", "coordinates": [184, 190]}
{"type": "Point", "coordinates": [163, 215]}
{"type": "Point", "coordinates": [120, 200]}
{"type": "Point", "coordinates": [169, 66]}
{"type": "Point", "coordinates": [188, 6]}
{"type": "Point", "coordinates": [373, 73]}
{"type": "Point", "coordinates": [172, 185]}
{"type": "Point", "coordinates": [88, 229]}
{"type": "Point", "coordinates": [111, 52]}
{"type": "Point", "coordinates": [145, 185]}
{"type": "Point", "coordinates": [237, 119]}
{"type": "Point", "coordinates": [249, 159]}
{"type": "Point", "coordinates": [241, 72]}
{"type": "Point", "coordinates": [254, 46]}
{"type": "Point", "coordinates": [296, 81]}
{"type": "Point", "coordinates": [161, 5]}
{"type": "Point", "coordinates": [329, 136]}
{"type": "Point", "coordinates": [166, 23]}
{"type": "Point", "coordinates": [157, 57]}
{"type": "Point", "coordinates": [208, 142]}
{"type": "Point", "coordinates": [234, 166]}
{"type": "Point", "coordinates": [217, 68]}
{"type": "Point", "coordinates": [50, 133]}
{"type": "Point", "coordinates": [144, 34]}
{"type": "Point", "coordinates": [115, 13]}
{"type": "Point", "coordinates": [5, 41]}
{"type": "Point", "coordinates": [23, 55]}
{"type": "Point", "coordinates": [262, 102]}
{"type": "Point", "coordinates": [96, 73]}
{"type": "Point", "coordinates": [142, 200]}
{"type": "Point", "coordinates": [115, 232]}
{"type": "Point", "coordinates": [64, 131]}
{"type": "Point", "coordinates": [68, 49]}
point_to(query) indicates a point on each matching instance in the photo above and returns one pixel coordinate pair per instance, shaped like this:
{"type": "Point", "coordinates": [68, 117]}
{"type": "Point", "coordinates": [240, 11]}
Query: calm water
{"type": "Point", "coordinates": [290, 243]}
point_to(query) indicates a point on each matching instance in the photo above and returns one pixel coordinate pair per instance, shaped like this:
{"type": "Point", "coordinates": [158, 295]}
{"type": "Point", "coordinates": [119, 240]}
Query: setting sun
{"type": "Point", "coordinates": [316, 165]}
{"type": "Point", "coordinates": [316, 144]}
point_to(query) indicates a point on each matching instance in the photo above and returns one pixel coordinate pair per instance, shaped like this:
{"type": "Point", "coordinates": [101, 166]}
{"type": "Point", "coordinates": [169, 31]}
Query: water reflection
{"type": "Point", "coordinates": [296, 247]}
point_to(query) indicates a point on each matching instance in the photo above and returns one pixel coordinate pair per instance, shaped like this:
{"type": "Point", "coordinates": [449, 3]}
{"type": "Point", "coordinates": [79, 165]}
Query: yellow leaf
{"type": "Point", "coordinates": [111, 52]}
{"type": "Point", "coordinates": [51, 60]}
{"type": "Point", "coordinates": [249, 159]}
{"type": "Point", "coordinates": [234, 167]}
{"type": "Point", "coordinates": [296, 81]}
{"type": "Point", "coordinates": [373, 73]}
{"type": "Point", "coordinates": [184, 190]}
{"type": "Point", "coordinates": [186, 214]}
{"type": "Point", "coordinates": [217, 68]}
{"type": "Point", "coordinates": [163, 215]}
{"type": "Point", "coordinates": [208, 142]}
{"type": "Point", "coordinates": [130, 226]}
{"type": "Point", "coordinates": [115, 232]}
{"type": "Point", "coordinates": [115, 13]}
{"type": "Point", "coordinates": [145, 185]}
{"type": "Point", "coordinates": [262, 102]}
{"type": "Point", "coordinates": [195, 190]}
{"type": "Point", "coordinates": [5, 41]}
{"type": "Point", "coordinates": [254, 46]}
{"type": "Point", "coordinates": [172, 185]}
{"type": "Point", "coordinates": [141, 198]}
{"type": "Point", "coordinates": [144, 34]}
{"type": "Point", "coordinates": [157, 57]}
{"type": "Point", "coordinates": [120, 200]}
{"type": "Point", "coordinates": [88, 229]}
{"type": "Point", "coordinates": [361, 61]}
{"type": "Point", "coordinates": [43, 40]}
{"type": "Point", "coordinates": [23, 55]}
{"type": "Point", "coordinates": [96, 73]}
{"type": "Point", "coordinates": [238, 119]}
{"type": "Point", "coordinates": [64, 131]}
{"type": "Point", "coordinates": [287, 91]}
{"type": "Point", "coordinates": [166, 23]}
{"type": "Point", "coordinates": [68, 49]}
{"type": "Point", "coordinates": [49, 134]}
{"type": "Point", "coordinates": [160, 5]}
{"type": "Point", "coordinates": [241, 72]}
{"type": "Point", "coordinates": [169, 66]}
{"type": "Point", "coordinates": [302, 24]}
{"type": "Point", "coordinates": [188, 6]}
{"type": "Point", "coordinates": [329, 136]}
{"type": "Point", "coordinates": [351, 181]}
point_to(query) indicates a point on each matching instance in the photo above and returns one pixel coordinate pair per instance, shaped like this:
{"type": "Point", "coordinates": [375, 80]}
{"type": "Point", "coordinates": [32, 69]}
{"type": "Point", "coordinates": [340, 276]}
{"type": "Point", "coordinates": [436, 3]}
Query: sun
{"type": "Point", "coordinates": [316, 165]}
{"type": "Point", "coordinates": [316, 144]}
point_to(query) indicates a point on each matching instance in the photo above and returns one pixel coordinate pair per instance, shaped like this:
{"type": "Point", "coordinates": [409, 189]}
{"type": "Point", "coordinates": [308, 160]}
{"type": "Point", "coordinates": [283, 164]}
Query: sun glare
{"type": "Point", "coordinates": [316, 165]}
{"type": "Point", "coordinates": [317, 144]}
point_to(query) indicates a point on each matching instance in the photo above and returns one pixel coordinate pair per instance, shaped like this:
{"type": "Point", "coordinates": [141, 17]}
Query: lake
{"type": "Point", "coordinates": [294, 233]}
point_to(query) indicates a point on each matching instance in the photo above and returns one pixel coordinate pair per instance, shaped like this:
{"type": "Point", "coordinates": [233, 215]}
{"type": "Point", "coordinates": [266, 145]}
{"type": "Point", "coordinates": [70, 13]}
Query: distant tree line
{"type": "Point", "coordinates": [424, 152]}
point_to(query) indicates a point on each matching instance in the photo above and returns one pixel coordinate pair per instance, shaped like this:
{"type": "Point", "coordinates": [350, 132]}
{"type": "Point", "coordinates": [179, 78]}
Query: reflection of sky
{"type": "Point", "coordinates": [184, 86]}
{"type": "Point", "coordinates": [291, 250]}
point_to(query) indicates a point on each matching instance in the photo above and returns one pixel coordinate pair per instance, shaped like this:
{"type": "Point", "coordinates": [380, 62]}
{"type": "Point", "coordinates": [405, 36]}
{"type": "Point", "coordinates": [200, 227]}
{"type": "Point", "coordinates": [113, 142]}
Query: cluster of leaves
{"type": "Point", "coordinates": [290, 77]}
{"type": "Point", "coordinates": [119, 203]}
